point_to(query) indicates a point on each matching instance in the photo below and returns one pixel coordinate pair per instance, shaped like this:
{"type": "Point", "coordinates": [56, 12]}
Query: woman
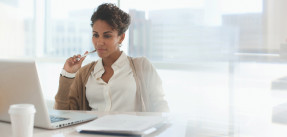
{"type": "Point", "coordinates": [116, 82]}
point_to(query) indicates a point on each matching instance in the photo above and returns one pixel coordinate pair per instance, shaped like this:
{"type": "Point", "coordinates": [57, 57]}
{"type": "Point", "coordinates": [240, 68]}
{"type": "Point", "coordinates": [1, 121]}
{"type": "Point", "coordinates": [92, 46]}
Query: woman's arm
{"type": "Point", "coordinates": [62, 96]}
{"type": "Point", "coordinates": [67, 83]}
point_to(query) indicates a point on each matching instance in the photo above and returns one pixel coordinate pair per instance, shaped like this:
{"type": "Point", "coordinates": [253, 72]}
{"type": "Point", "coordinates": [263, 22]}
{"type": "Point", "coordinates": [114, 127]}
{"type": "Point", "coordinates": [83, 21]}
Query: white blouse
{"type": "Point", "coordinates": [119, 94]}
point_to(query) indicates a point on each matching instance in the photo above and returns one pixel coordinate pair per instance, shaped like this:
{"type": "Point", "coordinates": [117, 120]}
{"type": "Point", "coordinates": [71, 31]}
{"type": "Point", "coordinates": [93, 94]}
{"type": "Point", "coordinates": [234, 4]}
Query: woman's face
{"type": "Point", "coordinates": [106, 40]}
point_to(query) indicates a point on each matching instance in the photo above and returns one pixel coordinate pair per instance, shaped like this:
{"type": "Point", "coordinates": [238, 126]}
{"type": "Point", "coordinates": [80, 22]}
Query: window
{"type": "Point", "coordinates": [210, 54]}
{"type": "Point", "coordinates": [68, 30]}
{"type": "Point", "coordinates": [17, 28]}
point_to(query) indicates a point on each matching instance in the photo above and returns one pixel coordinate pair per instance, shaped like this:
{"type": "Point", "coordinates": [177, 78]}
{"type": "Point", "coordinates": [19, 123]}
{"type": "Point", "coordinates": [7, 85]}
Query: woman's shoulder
{"type": "Point", "coordinates": [140, 60]}
{"type": "Point", "coordinates": [142, 63]}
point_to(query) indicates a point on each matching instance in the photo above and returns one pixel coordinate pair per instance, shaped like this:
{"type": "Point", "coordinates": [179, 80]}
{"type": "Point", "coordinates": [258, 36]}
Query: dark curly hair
{"type": "Point", "coordinates": [114, 16]}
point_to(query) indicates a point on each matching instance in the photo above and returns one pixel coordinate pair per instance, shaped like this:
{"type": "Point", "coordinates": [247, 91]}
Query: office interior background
{"type": "Point", "coordinates": [218, 56]}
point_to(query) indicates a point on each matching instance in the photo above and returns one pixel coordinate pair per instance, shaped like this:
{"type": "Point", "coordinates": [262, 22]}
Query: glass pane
{"type": "Point", "coordinates": [209, 53]}
{"type": "Point", "coordinates": [191, 45]}
{"type": "Point", "coordinates": [17, 35]}
{"type": "Point", "coordinates": [68, 29]}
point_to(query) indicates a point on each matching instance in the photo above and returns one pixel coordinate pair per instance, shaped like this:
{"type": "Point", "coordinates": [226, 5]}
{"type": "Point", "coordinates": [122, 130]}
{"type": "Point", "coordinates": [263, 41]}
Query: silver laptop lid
{"type": "Point", "coordinates": [19, 83]}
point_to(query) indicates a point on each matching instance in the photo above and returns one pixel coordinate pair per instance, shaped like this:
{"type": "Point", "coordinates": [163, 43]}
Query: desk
{"type": "Point", "coordinates": [185, 125]}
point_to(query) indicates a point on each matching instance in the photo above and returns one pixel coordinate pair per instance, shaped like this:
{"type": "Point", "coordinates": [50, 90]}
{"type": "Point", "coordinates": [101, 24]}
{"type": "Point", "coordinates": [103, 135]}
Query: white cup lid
{"type": "Point", "coordinates": [21, 108]}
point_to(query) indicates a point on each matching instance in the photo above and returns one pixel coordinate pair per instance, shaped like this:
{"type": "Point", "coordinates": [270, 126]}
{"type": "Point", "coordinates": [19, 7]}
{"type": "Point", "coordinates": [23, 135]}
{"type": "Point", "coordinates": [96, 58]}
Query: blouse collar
{"type": "Point", "coordinates": [117, 64]}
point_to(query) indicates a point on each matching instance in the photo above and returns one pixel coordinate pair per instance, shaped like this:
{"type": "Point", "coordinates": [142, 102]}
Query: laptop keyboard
{"type": "Point", "coordinates": [57, 119]}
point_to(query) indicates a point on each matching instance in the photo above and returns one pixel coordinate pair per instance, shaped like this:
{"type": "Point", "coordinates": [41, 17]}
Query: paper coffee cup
{"type": "Point", "coordinates": [22, 119]}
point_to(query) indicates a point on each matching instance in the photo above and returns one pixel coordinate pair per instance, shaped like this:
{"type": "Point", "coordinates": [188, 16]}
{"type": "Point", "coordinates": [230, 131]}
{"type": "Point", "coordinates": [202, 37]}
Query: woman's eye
{"type": "Point", "coordinates": [107, 36]}
{"type": "Point", "coordinates": [95, 35]}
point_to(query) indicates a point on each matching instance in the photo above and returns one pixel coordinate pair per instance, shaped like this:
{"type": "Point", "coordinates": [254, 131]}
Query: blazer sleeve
{"type": "Point", "coordinates": [61, 98]}
{"type": "Point", "coordinates": [67, 97]}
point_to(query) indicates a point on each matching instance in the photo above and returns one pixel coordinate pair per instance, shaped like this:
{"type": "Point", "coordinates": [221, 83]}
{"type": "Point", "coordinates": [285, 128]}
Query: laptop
{"type": "Point", "coordinates": [19, 84]}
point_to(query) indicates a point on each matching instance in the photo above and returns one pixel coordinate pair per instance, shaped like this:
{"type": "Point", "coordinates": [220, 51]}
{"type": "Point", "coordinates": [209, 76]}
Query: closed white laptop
{"type": "Point", "coordinates": [19, 83]}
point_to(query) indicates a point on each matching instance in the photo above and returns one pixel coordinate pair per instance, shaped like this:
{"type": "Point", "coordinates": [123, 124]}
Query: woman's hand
{"type": "Point", "coordinates": [72, 65]}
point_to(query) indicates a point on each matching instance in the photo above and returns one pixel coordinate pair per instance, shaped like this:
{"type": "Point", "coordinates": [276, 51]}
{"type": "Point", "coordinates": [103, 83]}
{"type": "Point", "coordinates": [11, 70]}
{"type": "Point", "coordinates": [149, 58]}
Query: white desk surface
{"type": "Point", "coordinates": [234, 124]}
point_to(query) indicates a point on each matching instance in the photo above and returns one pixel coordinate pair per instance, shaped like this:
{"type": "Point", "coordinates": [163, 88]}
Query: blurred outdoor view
{"type": "Point", "coordinates": [211, 54]}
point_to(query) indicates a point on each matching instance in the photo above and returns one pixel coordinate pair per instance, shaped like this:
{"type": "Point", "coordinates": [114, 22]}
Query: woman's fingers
{"type": "Point", "coordinates": [73, 64]}
{"type": "Point", "coordinates": [73, 59]}
{"type": "Point", "coordinates": [70, 60]}
{"type": "Point", "coordinates": [76, 59]}
{"type": "Point", "coordinates": [80, 58]}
